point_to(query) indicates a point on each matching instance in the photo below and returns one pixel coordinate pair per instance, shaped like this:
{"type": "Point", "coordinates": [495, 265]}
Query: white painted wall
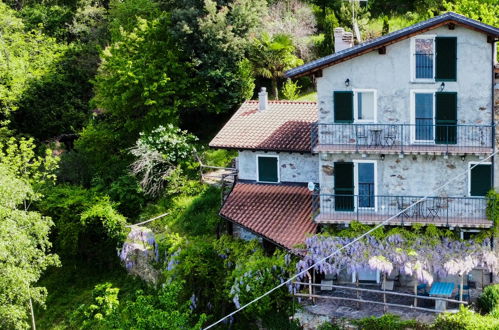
{"type": "Point", "coordinates": [293, 167]}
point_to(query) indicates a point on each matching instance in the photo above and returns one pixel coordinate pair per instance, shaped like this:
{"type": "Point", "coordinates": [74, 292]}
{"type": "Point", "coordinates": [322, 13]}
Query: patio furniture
{"type": "Point", "coordinates": [375, 137]}
{"type": "Point", "coordinates": [466, 292]}
{"type": "Point", "coordinates": [361, 134]}
{"type": "Point", "coordinates": [388, 285]}
{"type": "Point", "coordinates": [422, 289]}
{"type": "Point", "coordinates": [401, 207]}
{"type": "Point", "coordinates": [391, 135]}
{"type": "Point", "coordinates": [434, 208]}
{"type": "Point", "coordinates": [417, 210]}
{"type": "Point", "coordinates": [441, 289]}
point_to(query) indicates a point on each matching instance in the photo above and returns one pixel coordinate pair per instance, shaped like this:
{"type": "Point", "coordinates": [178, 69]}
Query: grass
{"type": "Point", "coordinates": [309, 96]}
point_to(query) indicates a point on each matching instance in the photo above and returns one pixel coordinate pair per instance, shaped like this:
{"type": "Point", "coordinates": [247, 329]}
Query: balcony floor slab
{"type": "Point", "coordinates": [374, 219]}
{"type": "Point", "coordinates": [414, 149]}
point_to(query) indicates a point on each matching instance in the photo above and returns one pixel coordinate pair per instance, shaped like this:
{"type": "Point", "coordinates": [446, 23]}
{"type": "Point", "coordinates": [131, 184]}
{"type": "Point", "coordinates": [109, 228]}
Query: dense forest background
{"type": "Point", "coordinates": [103, 107]}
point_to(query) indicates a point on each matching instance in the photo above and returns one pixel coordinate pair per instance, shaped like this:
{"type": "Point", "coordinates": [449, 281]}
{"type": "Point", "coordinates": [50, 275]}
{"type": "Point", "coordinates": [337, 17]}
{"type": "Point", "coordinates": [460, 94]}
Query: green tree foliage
{"type": "Point", "coordinates": [24, 57]}
{"type": "Point", "coordinates": [163, 309]}
{"type": "Point", "coordinates": [134, 85]}
{"type": "Point", "coordinates": [24, 234]}
{"type": "Point", "coordinates": [486, 11]}
{"type": "Point", "coordinates": [214, 37]}
{"type": "Point", "coordinates": [105, 303]}
{"type": "Point", "coordinates": [272, 56]}
{"type": "Point", "coordinates": [87, 223]}
{"type": "Point", "coordinates": [291, 90]}
{"type": "Point", "coordinates": [251, 273]}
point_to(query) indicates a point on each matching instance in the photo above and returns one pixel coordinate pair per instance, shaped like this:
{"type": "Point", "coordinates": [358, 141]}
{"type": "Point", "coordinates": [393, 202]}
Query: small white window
{"type": "Point", "coordinates": [423, 58]}
{"type": "Point", "coordinates": [365, 105]}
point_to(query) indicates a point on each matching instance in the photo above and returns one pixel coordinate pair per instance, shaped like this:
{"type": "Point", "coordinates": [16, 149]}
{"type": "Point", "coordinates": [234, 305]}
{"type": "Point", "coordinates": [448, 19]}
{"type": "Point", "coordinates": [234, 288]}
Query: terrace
{"type": "Point", "coordinates": [422, 137]}
{"type": "Point", "coordinates": [371, 209]}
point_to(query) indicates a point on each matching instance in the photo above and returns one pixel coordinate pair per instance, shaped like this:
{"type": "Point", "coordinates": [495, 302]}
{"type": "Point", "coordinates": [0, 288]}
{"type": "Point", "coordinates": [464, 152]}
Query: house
{"type": "Point", "coordinates": [396, 118]}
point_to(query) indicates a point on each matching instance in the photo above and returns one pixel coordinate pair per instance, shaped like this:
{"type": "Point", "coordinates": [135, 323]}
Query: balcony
{"type": "Point", "coordinates": [420, 138]}
{"type": "Point", "coordinates": [370, 209]}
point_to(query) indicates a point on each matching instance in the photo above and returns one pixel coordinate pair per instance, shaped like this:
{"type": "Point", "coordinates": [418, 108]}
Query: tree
{"type": "Point", "coordinates": [486, 11]}
{"type": "Point", "coordinates": [24, 234]}
{"type": "Point", "coordinates": [296, 19]}
{"type": "Point", "coordinates": [214, 37]}
{"type": "Point", "coordinates": [272, 56]}
{"type": "Point", "coordinates": [24, 57]}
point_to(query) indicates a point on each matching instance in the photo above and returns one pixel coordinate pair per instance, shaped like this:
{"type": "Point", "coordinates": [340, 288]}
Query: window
{"type": "Point", "coordinates": [434, 117]}
{"type": "Point", "coordinates": [356, 106]}
{"type": "Point", "coordinates": [424, 51]}
{"type": "Point", "coordinates": [365, 184]}
{"type": "Point", "coordinates": [268, 168]}
{"type": "Point", "coordinates": [434, 58]}
{"type": "Point", "coordinates": [480, 179]}
{"type": "Point", "coordinates": [365, 105]}
{"type": "Point", "coordinates": [424, 116]}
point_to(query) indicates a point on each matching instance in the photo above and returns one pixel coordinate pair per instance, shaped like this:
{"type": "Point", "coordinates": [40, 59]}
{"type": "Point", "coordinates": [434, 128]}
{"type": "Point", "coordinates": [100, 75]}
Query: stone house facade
{"type": "Point", "coordinates": [397, 117]}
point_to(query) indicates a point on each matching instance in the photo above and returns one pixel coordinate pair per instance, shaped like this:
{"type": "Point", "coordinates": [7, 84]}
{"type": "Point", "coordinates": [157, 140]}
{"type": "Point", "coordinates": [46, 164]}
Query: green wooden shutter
{"type": "Point", "coordinates": [446, 60]}
{"type": "Point", "coordinates": [343, 186]}
{"type": "Point", "coordinates": [481, 180]}
{"type": "Point", "coordinates": [267, 169]}
{"type": "Point", "coordinates": [446, 118]}
{"type": "Point", "coordinates": [343, 107]}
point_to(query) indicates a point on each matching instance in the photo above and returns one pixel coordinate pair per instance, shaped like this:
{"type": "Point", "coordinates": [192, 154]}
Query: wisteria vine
{"type": "Point", "coordinates": [420, 257]}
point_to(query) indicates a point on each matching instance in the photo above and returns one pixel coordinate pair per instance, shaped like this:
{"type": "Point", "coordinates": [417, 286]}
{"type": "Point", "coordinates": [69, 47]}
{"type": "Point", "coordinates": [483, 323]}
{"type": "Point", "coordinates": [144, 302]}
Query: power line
{"type": "Point", "coordinates": [350, 243]}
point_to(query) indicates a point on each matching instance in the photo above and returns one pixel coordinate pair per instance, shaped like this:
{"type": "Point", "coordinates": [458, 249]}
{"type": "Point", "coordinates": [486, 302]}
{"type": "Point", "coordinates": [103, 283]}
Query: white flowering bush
{"type": "Point", "coordinates": [159, 155]}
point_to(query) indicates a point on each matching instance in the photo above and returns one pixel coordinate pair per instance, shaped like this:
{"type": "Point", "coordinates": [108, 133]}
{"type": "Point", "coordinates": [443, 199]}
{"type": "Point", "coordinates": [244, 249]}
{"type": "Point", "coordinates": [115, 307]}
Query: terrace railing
{"type": "Point", "coordinates": [443, 211]}
{"type": "Point", "coordinates": [421, 136]}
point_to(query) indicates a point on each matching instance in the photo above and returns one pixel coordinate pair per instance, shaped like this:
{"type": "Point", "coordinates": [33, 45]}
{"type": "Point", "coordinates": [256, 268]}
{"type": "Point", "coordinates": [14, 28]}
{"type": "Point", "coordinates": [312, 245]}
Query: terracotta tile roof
{"type": "Point", "coordinates": [284, 126]}
{"type": "Point", "coordinates": [280, 213]}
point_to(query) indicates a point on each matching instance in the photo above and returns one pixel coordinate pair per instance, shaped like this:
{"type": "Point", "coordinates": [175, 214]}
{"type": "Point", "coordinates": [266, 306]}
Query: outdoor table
{"type": "Point", "coordinates": [441, 289]}
{"type": "Point", "coordinates": [376, 136]}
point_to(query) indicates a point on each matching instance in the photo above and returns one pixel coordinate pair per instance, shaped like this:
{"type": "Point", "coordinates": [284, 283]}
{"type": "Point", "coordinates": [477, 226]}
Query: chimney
{"type": "Point", "coordinates": [263, 98]}
{"type": "Point", "coordinates": [342, 39]}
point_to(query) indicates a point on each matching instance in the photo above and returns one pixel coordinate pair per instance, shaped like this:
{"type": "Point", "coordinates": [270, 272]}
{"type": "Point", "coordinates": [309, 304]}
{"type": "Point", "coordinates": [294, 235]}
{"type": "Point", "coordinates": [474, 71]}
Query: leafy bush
{"type": "Point", "coordinates": [328, 326]}
{"type": "Point", "coordinates": [489, 299]}
{"type": "Point", "coordinates": [159, 154]}
{"type": "Point", "coordinates": [465, 319]}
{"type": "Point", "coordinates": [105, 303]}
{"type": "Point", "coordinates": [385, 322]}
{"type": "Point", "coordinates": [291, 90]}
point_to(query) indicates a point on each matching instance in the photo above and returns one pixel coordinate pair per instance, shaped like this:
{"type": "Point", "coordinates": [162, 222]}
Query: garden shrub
{"type": "Point", "coordinates": [489, 299]}
{"type": "Point", "coordinates": [465, 319]}
{"type": "Point", "coordinates": [385, 322]}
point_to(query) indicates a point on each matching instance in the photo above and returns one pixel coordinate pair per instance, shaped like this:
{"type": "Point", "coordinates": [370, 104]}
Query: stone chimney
{"type": "Point", "coordinates": [342, 39]}
{"type": "Point", "coordinates": [263, 99]}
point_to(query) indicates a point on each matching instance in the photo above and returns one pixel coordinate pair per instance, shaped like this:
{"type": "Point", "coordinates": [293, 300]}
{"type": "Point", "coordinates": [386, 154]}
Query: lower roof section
{"type": "Point", "coordinates": [280, 213]}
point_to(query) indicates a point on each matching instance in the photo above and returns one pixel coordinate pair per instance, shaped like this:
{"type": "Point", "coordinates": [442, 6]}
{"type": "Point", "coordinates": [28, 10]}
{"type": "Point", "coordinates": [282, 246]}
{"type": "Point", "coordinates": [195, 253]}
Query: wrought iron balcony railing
{"type": "Point", "coordinates": [419, 137]}
{"type": "Point", "coordinates": [373, 209]}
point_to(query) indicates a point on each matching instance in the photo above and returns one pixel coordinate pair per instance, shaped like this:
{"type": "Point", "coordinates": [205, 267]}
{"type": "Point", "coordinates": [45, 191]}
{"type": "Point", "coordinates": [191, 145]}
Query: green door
{"type": "Point", "coordinates": [343, 107]}
{"type": "Point", "coordinates": [267, 169]}
{"type": "Point", "coordinates": [343, 186]}
{"type": "Point", "coordinates": [480, 180]}
{"type": "Point", "coordinates": [446, 118]}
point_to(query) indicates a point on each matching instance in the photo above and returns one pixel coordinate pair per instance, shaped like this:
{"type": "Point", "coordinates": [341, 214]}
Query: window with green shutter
{"type": "Point", "coordinates": [268, 169]}
{"type": "Point", "coordinates": [343, 186]}
{"type": "Point", "coordinates": [446, 118]}
{"type": "Point", "coordinates": [480, 179]}
{"type": "Point", "coordinates": [343, 107]}
{"type": "Point", "coordinates": [446, 59]}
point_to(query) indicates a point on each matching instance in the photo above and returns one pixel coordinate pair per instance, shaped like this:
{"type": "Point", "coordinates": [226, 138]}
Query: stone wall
{"type": "Point", "coordinates": [294, 167]}
{"type": "Point", "coordinates": [390, 75]}
{"type": "Point", "coordinates": [412, 175]}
